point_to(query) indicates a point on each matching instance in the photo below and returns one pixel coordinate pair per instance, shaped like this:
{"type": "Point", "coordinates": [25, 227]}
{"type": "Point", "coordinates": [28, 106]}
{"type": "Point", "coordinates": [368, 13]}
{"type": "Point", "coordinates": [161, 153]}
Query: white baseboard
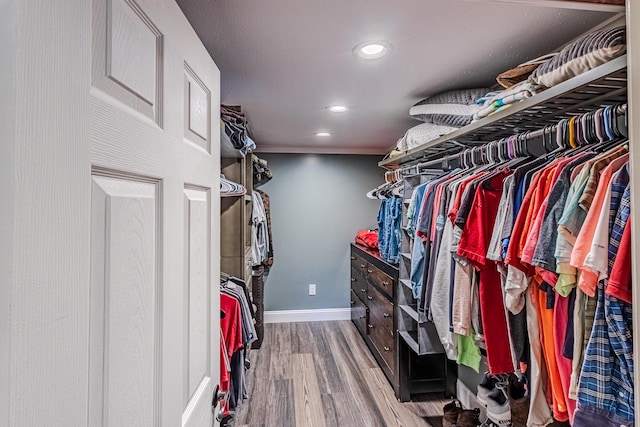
{"type": "Point", "coordinates": [314, 315]}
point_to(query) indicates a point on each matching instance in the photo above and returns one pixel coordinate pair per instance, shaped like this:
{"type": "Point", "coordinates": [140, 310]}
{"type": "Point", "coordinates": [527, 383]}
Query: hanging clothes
{"type": "Point", "coordinates": [533, 263]}
{"type": "Point", "coordinates": [266, 202]}
{"type": "Point", "coordinates": [259, 231]}
{"type": "Point", "coordinates": [389, 222]}
{"type": "Point", "coordinates": [238, 332]}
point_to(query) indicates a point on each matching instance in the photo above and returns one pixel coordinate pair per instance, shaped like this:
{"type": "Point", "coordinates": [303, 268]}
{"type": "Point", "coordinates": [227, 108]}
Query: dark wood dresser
{"type": "Point", "coordinates": [373, 284]}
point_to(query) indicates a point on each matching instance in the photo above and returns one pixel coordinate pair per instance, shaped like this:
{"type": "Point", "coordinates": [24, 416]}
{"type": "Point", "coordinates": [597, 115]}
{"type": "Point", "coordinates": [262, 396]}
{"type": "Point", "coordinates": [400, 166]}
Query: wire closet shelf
{"type": "Point", "coordinates": [602, 86]}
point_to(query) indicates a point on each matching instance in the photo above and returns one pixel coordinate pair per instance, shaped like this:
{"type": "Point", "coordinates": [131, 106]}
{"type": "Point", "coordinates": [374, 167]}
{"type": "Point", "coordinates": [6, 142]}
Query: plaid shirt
{"type": "Point", "coordinates": [605, 392]}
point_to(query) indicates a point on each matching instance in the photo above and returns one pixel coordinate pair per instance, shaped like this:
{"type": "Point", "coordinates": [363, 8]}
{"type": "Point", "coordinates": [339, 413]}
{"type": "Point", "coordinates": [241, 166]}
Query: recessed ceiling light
{"type": "Point", "coordinates": [337, 108]}
{"type": "Point", "coordinates": [372, 50]}
{"type": "Point", "coordinates": [323, 134]}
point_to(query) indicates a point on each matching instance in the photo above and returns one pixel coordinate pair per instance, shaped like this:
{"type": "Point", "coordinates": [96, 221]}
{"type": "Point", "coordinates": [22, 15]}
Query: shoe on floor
{"type": "Point", "coordinates": [485, 387]}
{"type": "Point", "coordinates": [451, 412]}
{"type": "Point", "coordinates": [498, 408]}
{"type": "Point", "coordinates": [469, 418]}
{"type": "Point", "coordinates": [518, 402]}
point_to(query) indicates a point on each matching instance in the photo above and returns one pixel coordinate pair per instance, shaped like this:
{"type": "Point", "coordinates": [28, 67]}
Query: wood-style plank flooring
{"type": "Point", "coordinates": [322, 374]}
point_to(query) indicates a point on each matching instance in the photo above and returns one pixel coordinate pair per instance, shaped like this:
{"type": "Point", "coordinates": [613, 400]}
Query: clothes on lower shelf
{"type": "Point", "coordinates": [237, 333]}
{"type": "Point", "coordinates": [530, 259]}
{"type": "Point", "coordinates": [230, 188]}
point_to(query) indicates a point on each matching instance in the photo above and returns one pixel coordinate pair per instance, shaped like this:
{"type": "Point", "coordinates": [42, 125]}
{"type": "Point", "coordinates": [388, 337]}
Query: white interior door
{"type": "Point", "coordinates": [155, 164]}
{"type": "Point", "coordinates": [111, 182]}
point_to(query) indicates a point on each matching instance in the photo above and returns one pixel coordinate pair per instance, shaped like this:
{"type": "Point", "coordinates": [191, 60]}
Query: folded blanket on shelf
{"type": "Point", "coordinates": [508, 79]}
{"type": "Point", "coordinates": [496, 101]}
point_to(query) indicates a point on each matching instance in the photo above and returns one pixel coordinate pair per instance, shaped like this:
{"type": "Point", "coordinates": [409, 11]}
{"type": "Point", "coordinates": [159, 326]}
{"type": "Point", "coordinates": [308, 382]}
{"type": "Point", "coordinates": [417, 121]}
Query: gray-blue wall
{"type": "Point", "coordinates": [318, 204]}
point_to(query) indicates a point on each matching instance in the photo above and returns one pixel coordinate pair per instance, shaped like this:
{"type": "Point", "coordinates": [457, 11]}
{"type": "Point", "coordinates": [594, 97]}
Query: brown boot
{"type": "Point", "coordinates": [519, 402]}
{"type": "Point", "coordinates": [451, 412]}
{"type": "Point", "coordinates": [469, 418]}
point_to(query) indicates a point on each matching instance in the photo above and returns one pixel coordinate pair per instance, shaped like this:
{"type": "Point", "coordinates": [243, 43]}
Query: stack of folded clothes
{"type": "Point", "coordinates": [493, 102]}
{"type": "Point", "coordinates": [532, 77]}
{"type": "Point", "coordinates": [368, 238]}
{"type": "Point", "coordinates": [235, 127]}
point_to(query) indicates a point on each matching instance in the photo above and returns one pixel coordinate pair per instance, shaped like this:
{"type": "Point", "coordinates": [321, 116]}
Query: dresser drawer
{"type": "Point", "coordinates": [382, 280]}
{"type": "Point", "coordinates": [383, 341]}
{"type": "Point", "coordinates": [359, 264]}
{"type": "Point", "coordinates": [359, 285]}
{"type": "Point", "coordinates": [380, 308]}
{"type": "Point", "coordinates": [359, 313]}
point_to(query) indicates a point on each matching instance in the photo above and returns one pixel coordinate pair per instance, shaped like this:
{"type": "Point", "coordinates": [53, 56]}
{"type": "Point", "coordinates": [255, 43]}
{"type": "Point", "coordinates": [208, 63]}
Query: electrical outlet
{"type": "Point", "coordinates": [312, 289]}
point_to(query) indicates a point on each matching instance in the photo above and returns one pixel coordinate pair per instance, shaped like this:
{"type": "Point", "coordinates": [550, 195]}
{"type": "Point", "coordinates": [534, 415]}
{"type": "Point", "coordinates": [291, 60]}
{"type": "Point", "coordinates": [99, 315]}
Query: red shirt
{"type": "Point", "coordinates": [619, 285]}
{"type": "Point", "coordinates": [231, 330]}
{"type": "Point", "coordinates": [474, 243]}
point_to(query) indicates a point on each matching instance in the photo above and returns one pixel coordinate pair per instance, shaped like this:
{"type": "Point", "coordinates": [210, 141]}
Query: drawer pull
{"type": "Point", "coordinates": [369, 271]}
{"type": "Point", "coordinates": [353, 279]}
{"type": "Point", "coordinates": [369, 297]}
{"type": "Point", "coordinates": [385, 315]}
{"type": "Point", "coordinates": [363, 265]}
{"type": "Point", "coordinates": [386, 349]}
{"type": "Point", "coordinates": [353, 302]}
{"type": "Point", "coordinates": [363, 290]}
{"type": "Point", "coordinates": [370, 326]}
{"type": "Point", "coordinates": [385, 283]}
{"type": "Point", "coordinates": [353, 257]}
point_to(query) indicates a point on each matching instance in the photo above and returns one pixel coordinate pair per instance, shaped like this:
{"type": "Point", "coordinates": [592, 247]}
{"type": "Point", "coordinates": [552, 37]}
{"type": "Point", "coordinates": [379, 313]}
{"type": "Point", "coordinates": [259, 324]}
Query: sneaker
{"type": "Point", "coordinates": [518, 402]}
{"type": "Point", "coordinates": [498, 409]}
{"type": "Point", "coordinates": [469, 418]}
{"type": "Point", "coordinates": [487, 385]}
{"type": "Point", "coordinates": [451, 411]}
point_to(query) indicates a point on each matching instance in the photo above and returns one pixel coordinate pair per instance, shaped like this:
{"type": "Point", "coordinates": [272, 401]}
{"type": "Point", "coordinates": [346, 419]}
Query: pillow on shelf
{"type": "Point", "coordinates": [451, 108]}
{"type": "Point", "coordinates": [584, 54]}
{"type": "Point", "coordinates": [421, 134]}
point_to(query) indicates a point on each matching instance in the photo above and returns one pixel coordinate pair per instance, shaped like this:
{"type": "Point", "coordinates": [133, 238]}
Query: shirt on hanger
{"type": "Point", "coordinates": [474, 243]}
{"type": "Point", "coordinates": [594, 264]}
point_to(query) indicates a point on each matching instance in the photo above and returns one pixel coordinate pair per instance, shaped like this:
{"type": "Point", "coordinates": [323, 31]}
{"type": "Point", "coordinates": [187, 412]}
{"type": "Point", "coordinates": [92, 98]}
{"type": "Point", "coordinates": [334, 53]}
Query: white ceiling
{"type": "Point", "coordinates": [284, 61]}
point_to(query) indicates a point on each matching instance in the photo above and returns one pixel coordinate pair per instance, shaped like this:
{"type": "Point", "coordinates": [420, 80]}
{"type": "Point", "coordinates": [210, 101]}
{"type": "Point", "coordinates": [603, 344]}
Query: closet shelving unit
{"type": "Point", "coordinates": [422, 363]}
{"type": "Point", "coordinates": [235, 228]}
{"type": "Point", "coordinates": [235, 215]}
{"type": "Point", "coordinates": [601, 86]}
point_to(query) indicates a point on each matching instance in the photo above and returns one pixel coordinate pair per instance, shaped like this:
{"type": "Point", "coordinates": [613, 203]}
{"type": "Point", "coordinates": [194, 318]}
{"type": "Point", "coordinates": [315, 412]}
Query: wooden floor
{"type": "Point", "coordinates": [322, 374]}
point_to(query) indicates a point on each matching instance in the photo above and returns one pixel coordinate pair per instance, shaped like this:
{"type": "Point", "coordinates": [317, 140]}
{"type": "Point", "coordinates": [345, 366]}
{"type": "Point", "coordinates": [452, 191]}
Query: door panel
{"type": "Point", "coordinates": [128, 56]}
{"type": "Point", "coordinates": [197, 280]}
{"type": "Point", "coordinates": [124, 303]}
{"type": "Point", "coordinates": [197, 109]}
